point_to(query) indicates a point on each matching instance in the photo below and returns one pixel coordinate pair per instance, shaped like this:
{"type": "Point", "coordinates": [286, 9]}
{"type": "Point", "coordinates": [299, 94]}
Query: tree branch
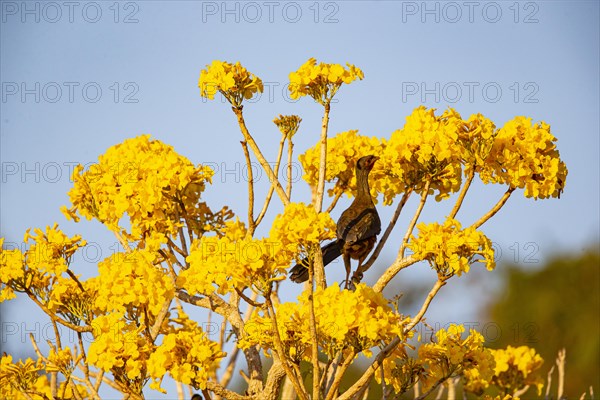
{"type": "Point", "coordinates": [322, 159]}
{"type": "Point", "coordinates": [261, 159]}
{"type": "Point", "coordinates": [251, 222]}
{"type": "Point", "coordinates": [412, 224]}
{"type": "Point", "coordinates": [272, 188]}
{"type": "Point", "coordinates": [494, 209]}
{"type": "Point", "coordinates": [462, 194]}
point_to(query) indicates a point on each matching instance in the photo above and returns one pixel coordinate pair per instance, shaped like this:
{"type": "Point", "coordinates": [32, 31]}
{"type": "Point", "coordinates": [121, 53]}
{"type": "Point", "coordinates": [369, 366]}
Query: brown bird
{"type": "Point", "coordinates": [357, 228]}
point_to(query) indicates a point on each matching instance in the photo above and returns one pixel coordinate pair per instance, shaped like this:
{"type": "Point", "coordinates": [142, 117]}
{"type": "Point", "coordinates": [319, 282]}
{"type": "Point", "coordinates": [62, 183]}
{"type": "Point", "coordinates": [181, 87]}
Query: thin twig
{"type": "Point", "coordinates": [251, 223]}
{"type": "Point", "coordinates": [322, 159]}
{"type": "Point", "coordinates": [433, 387]}
{"type": "Point", "coordinates": [272, 187]}
{"type": "Point", "coordinates": [494, 209]}
{"type": "Point", "coordinates": [398, 265]}
{"type": "Point", "coordinates": [417, 318]}
{"type": "Point", "coordinates": [335, 201]}
{"type": "Point", "coordinates": [160, 318]}
{"type": "Point", "coordinates": [521, 392]}
{"type": "Point", "coordinates": [462, 194]}
{"type": "Point", "coordinates": [261, 159]}
{"type": "Point", "coordinates": [74, 277]}
{"type": "Point", "coordinates": [560, 363]}
{"type": "Point", "coordinates": [341, 370]}
{"type": "Point", "coordinates": [289, 168]}
{"type": "Point", "coordinates": [549, 383]}
{"type": "Point", "coordinates": [415, 218]}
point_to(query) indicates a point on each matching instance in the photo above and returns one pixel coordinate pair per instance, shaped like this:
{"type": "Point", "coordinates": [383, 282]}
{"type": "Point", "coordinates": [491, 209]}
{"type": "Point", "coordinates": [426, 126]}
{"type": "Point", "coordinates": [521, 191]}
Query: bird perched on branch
{"type": "Point", "coordinates": [357, 228]}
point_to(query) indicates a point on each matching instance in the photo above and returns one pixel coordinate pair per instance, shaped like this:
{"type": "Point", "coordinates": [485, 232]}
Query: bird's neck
{"type": "Point", "coordinates": [363, 193]}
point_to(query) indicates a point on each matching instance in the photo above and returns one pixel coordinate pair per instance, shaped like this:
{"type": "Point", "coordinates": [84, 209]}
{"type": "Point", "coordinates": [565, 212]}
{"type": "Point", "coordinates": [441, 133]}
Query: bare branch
{"type": "Point", "coordinates": [434, 290]}
{"type": "Point", "coordinates": [323, 159]}
{"type": "Point", "coordinates": [560, 363]}
{"type": "Point", "coordinates": [261, 159]}
{"type": "Point", "coordinates": [251, 222]}
{"type": "Point", "coordinates": [334, 201]}
{"type": "Point", "coordinates": [392, 270]}
{"type": "Point", "coordinates": [462, 194]}
{"type": "Point", "coordinates": [289, 168]}
{"type": "Point", "coordinates": [272, 188]}
{"type": "Point", "coordinates": [412, 224]}
{"type": "Point", "coordinates": [494, 209]}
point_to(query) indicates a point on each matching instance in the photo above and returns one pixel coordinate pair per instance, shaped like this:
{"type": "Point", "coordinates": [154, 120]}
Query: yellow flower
{"type": "Point", "coordinates": [321, 81]}
{"type": "Point", "coordinates": [17, 378]}
{"type": "Point", "coordinates": [450, 249]}
{"type": "Point", "coordinates": [288, 124]}
{"type": "Point", "coordinates": [525, 156]}
{"type": "Point", "coordinates": [517, 367]}
{"type": "Point", "coordinates": [187, 355]}
{"type": "Point", "coordinates": [120, 347]}
{"type": "Point", "coordinates": [233, 81]}
{"type": "Point", "coordinates": [362, 319]}
{"type": "Point", "coordinates": [452, 354]}
{"type": "Point", "coordinates": [145, 185]}
{"type": "Point", "coordinates": [52, 250]}
{"type": "Point", "coordinates": [131, 282]}
{"type": "Point", "coordinates": [300, 228]}
{"type": "Point", "coordinates": [12, 272]}
{"type": "Point", "coordinates": [343, 151]}
{"type": "Point", "coordinates": [425, 149]}
{"type": "Point", "coordinates": [233, 261]}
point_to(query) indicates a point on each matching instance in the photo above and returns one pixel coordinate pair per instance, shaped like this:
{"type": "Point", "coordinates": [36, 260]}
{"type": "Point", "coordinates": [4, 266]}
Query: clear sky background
{"type": "Point", "coordinates": [79, 77]}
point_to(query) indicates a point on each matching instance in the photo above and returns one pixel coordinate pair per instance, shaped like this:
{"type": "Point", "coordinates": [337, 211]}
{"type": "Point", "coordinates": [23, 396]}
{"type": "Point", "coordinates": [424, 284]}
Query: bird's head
{"type": "Point", "coordinates": [366, 162]}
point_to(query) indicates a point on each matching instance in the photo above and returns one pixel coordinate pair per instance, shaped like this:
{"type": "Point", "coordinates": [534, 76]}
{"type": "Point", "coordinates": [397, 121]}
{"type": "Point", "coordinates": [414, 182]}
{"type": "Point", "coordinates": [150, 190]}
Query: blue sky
{"type": "Point", "coordinates": [80, 77]}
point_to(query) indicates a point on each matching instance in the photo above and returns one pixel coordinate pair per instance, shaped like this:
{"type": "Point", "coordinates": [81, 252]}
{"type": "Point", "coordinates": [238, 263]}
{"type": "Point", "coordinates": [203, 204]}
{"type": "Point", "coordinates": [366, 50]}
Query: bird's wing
{"type": "Point", "coordinates": [358, 224]}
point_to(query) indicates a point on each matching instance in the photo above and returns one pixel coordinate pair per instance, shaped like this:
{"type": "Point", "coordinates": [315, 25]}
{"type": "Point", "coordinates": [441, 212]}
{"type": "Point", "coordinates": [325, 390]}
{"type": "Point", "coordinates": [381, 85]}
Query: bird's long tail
{"type": "Point", "coordinates": [299, 272]}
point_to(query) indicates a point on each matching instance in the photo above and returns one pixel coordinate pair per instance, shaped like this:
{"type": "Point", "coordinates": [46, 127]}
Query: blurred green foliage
{"type": "Point", "coordinates": [554, 307]}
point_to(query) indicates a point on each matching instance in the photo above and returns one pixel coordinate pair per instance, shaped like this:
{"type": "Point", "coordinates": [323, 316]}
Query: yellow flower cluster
{"type": "Point", "coordinates": [343, 151]}
{"type": "Point", "coordinates": [300, 228]}
{"type": "Point", "coordinates": [233, 81]}
{"type": "Point", "coordinates": [143, 183]}
{"type": "Point", "coordinates": [439, 148]}
{"type": "Point", "coordinates": [477, 136]}
{"type": "Point", "coordinates": [525, 156]}
{"type": "Point", "coordinates": [321, 81]}
{"type": "Point", "coordinates": [61, 360]}
{"type": "Point", "coordinates": [20, 377]}
{"type": "Point", "coordinates": [452, 354]}
{"type": "Point", "coordinates": [119, 347]}
{"type": "Point", "coordinates": [361, 319]}
{"type": "Point", "coordinates": [425, 149]}
{"type": "Point", "coordinates": [46, 259]}
{"type": "Point", "coordinates": [233, 261]}
{"type": "Point", "coordinates": [517, 367]}
{"type": "Point", "coordinates": [132, 283]}
{"type": "Point", "coordinates": [67, 299]}
{"type": "Point", "coordinates": [288, 124]}
{"type": "Point", "coordinates": [12, 272]}
{"type": "Point", "coordinates": [451, 250]}
{"type": "Point", "coordinates": [187, 355]}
